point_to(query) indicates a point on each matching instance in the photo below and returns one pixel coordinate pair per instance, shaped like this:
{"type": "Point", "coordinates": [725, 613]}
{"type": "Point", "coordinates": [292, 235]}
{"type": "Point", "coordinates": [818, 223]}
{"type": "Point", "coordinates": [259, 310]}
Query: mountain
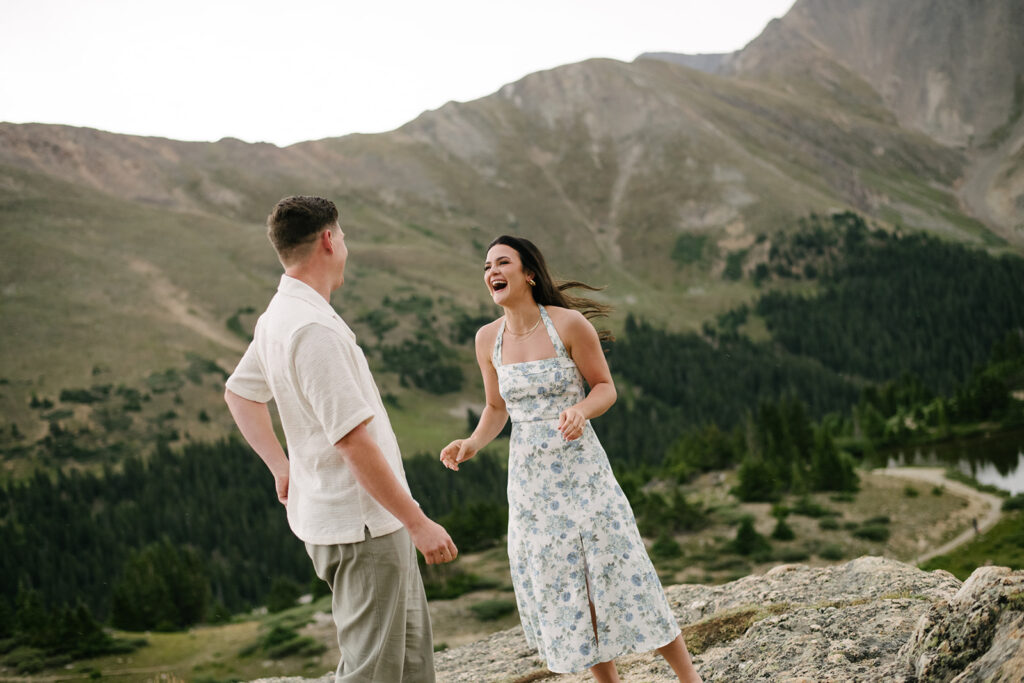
{"type": "Point", "coordinates": [946, 68]}
{"type": "Point", "coordinates": [129, 259]}
{"type": "Point", "coordinates": [951, 70]}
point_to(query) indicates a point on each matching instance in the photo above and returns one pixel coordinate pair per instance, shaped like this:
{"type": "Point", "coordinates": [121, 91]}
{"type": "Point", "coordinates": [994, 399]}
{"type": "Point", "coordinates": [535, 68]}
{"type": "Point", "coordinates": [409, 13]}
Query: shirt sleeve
{"type": "Point", "coordinates": [326, 370]}
{"type": "Point", "coordinates": [248, 380]}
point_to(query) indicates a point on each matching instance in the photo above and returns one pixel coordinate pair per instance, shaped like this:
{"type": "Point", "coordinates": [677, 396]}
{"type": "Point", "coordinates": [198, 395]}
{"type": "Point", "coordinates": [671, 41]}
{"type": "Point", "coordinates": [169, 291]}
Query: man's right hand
{"type": "Point", "coordinates": [281, 485]}
{"type": "Point", "coordinates": [433, 541]}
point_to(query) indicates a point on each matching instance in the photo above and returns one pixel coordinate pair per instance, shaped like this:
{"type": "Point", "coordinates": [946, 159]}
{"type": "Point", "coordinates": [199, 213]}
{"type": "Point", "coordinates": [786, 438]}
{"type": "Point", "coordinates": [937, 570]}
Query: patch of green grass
{"type": "Point", "coordinates": [689, 248]}
{"type": "Point", "coordinates": [957, 475]}
{"type": "Point", "coordinates": [1002, 545]}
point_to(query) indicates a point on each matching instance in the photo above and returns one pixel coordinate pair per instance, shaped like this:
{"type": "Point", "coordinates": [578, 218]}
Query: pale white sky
{"type": "Point", "coordinates": [283, 72]}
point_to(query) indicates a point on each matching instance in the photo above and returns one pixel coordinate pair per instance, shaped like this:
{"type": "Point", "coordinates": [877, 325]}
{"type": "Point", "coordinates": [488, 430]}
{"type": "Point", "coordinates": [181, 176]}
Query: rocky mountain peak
{"type": "Point", "coordinates": [947, 68]}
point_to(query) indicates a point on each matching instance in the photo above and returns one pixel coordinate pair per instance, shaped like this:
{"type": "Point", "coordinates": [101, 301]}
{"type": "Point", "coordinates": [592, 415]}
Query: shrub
{"type": "Point", "coordinates": [689, 248]}
{"type": "Point", "coordinates": [873, 532]}
{"type": "Point", "coordinates": [445, 582]}
{"type": "Point", "coordinates": [666, 546]}
{"type": "Point", "coordinates": [910, 492]}
{"type": "Point", "coordinates": [283, 594]}
{"type": "Point", "coordinates": [168, 380]}
{"type": "Point", "coordinates": [477, 525]}
{"type": "Point", "coordinates": [832, 551]}
{"type": "Point", "coordinates": [793, 555]}
{"type": "Point", "coordinates": [938, 490]}
{"type": "Point", "coordinates": [748, 541]}
{"type": "Point", "coordinates": [281, 642]}
{"type": "Point", "coordinates": [1014, 502]}
{"type": "Point", "coordinates": [300, 646]}
{"type": "Point", "coordinates": [218, 613]}
{"type": "Point", "coordinates": [489, 610]}
{"type": "Point", "coordinates": [880, 519]}
{"type": "Point", "coordinates": [93, 395]}
{"type": "Point", "coordinates": [782, 531]}
{"type": "Point", "coordinates": [757, 481]}
{"type": "Point", "coordinates": [734, 265]}
{"type": "Point", "coordinates": [828, 523]}
{"type": "Point", "coordinates": [808, 508]}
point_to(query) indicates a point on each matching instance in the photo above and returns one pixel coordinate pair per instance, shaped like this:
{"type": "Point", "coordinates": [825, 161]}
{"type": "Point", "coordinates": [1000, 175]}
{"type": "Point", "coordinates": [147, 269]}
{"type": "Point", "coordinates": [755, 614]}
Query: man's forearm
{"type": "Point", "coordinates": [253, 420]}
{"type": "Point", "coordinates": [373, 473]}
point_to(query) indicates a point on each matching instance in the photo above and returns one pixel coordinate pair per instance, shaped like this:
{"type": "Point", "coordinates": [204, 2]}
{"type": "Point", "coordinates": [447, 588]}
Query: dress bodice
{"type": "Point", "coordinates": [539, 389]}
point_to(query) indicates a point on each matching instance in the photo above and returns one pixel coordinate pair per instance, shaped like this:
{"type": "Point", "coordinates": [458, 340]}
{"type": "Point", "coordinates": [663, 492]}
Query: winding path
{"type": "Point", "coordinates": [936, 476]}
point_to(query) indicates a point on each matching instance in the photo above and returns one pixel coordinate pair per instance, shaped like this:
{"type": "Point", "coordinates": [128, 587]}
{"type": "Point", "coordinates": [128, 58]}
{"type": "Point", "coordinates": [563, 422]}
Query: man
{"type": "Point", "coordinates": [342, 482]}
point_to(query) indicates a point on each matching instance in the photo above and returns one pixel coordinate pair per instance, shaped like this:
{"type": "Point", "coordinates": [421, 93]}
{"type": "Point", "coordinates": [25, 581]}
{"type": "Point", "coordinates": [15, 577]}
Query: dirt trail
{"type": "Point", "coordinates": [181, 308]}
{"type": "Point", "coordinates": [990, 504]}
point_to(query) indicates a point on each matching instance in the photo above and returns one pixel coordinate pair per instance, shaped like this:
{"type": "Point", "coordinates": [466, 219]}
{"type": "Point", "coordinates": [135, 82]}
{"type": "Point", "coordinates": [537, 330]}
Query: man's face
{"type": "Point", "coordinates": [340, 255]}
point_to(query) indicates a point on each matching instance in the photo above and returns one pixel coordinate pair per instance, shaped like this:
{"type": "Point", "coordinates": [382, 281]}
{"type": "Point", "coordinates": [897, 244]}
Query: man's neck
{"type": "Point", "coordinates": [320, 282]}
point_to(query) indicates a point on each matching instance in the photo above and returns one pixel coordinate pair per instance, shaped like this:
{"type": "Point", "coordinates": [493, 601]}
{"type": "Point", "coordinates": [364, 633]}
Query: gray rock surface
{"type": "Point", "coordinates": [871, 619]}
{"type": "Point", "coordinates": [976, 636]}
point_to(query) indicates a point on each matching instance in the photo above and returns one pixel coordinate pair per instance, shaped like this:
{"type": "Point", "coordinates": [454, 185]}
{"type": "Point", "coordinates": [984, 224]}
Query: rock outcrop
{"type": "Point", "coordinates": [871, 619]}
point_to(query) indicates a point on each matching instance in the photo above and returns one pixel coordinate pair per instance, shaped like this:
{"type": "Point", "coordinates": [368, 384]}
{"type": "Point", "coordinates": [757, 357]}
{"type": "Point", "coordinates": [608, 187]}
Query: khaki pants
{"type": "Point", "coordinates": [380, 609]}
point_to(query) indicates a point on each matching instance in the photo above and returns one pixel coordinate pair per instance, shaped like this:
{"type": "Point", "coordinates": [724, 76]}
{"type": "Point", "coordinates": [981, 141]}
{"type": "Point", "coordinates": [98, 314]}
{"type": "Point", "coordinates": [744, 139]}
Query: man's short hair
{"type": "Point", "coordinates": [295, 221]}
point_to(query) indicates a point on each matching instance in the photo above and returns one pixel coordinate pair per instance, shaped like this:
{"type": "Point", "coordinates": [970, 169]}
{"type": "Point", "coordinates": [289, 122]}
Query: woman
{"type": "Point", "coordinates": [586, 590]}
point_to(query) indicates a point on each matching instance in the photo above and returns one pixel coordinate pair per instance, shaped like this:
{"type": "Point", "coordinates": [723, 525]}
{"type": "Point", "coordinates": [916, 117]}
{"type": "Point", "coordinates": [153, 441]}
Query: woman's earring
{"type": "Point", "coordinates": [531, 283]}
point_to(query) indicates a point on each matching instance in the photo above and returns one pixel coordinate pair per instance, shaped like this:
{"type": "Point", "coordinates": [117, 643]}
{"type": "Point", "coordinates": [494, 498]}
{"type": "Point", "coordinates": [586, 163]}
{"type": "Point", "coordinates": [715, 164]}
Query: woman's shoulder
{"type": "Point", "coordinates": [569, 317]}
{"type": "Point", "coordinates": [489, 332]}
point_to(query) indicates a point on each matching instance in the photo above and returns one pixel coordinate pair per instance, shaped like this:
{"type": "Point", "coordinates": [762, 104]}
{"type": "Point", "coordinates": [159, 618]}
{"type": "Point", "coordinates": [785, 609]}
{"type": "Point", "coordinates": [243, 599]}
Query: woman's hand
{"type": "Point", "coordinates": [571, 422]}
{"type": "Point", "coordinates": [458, 451]}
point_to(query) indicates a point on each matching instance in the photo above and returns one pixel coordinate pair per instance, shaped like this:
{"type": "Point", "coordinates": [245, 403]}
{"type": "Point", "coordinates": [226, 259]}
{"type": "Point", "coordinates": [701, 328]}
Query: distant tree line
{"type": "Point", "coordinates": [679, 381]}
{"type": "Point", "coordinates": [193, 533]}
{"type": "Point", "coordinates": [894, 304]}
{"type": "Point", "coordinates": [209, 507]}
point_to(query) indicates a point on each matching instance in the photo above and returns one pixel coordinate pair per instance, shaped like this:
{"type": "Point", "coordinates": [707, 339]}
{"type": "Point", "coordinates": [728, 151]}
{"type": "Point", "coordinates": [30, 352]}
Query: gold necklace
{"type": "Point", "coordinates": [528, 332]}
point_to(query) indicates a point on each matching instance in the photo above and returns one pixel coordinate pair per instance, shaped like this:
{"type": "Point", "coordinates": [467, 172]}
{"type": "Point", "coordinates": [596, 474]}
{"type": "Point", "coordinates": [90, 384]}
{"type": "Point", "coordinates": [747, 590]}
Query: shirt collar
{"type": "Point", "coordinates": [295, 287]}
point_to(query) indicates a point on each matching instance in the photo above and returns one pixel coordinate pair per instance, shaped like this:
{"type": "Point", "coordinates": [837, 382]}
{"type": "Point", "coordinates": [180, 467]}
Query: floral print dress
{"type": "Point", "coordinates": [571, 532]}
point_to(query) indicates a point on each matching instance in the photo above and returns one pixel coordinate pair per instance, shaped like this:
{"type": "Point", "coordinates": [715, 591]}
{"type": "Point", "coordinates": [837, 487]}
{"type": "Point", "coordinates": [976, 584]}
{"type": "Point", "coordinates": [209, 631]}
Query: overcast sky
{"type": "Point", "coordinates": [297, 70]}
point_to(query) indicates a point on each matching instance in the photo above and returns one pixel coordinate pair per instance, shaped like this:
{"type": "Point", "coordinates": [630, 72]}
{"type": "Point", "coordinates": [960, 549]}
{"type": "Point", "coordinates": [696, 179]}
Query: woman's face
{"type": "Point", "coordinates": [503, 274]}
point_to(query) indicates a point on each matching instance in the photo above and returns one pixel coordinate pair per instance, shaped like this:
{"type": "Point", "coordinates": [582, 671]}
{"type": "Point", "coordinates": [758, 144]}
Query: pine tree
{"type": "Point", "coordinates": [748, 541]}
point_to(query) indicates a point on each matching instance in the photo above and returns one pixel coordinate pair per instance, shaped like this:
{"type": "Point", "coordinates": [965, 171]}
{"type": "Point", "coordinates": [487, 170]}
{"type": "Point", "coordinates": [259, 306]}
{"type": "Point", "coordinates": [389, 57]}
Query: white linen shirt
{"type": "Point", "coordinates": [305, 357]}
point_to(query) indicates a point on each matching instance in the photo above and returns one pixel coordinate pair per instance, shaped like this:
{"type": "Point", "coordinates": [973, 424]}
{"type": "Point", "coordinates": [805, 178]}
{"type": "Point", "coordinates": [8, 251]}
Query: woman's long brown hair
{"type": "Point", "coordinates": [551, 292]}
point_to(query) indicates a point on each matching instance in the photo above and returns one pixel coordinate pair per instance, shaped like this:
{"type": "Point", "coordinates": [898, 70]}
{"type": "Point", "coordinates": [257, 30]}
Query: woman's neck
{"type": "Point", "coordinates": [521, 315]}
